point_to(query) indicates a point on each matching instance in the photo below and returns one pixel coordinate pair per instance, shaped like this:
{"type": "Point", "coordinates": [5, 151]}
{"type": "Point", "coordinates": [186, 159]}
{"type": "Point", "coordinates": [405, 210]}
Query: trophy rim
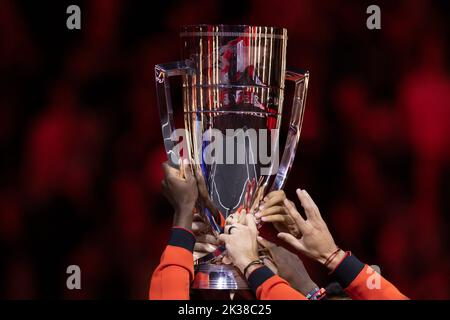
{"type": "Point", "coordinates": [230, 29]}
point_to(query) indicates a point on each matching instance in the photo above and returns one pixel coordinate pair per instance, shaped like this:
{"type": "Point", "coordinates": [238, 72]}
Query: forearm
{"type": "Point", "coordinates": [361, 282]}
{"type": "Point", "coordinates": [268, 286]}
{"type": "Point", "coordinates": [171, 279]}
{"type": "Point", "coordinates": [301, 284]}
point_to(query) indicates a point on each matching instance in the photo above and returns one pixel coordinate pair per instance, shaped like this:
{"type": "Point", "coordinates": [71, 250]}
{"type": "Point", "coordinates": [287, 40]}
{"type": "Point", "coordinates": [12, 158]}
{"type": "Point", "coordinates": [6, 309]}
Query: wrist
{"type": "Point", "coordinates": [183, 218]}
{"type": "Point", "coordinates": [241, 265]}
{"type": "Point", "coordinates": [252, 268]}
{"type": "Point", "coordinates": [336, 260]}
{"type": "Point", "coordinates": [323, 256]}
{"type": "Point", "coordinates": [304, 286]}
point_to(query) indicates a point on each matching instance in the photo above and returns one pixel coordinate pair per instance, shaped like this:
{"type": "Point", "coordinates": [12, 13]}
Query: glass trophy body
{"type": "Point", "coordinates": [233, 83]}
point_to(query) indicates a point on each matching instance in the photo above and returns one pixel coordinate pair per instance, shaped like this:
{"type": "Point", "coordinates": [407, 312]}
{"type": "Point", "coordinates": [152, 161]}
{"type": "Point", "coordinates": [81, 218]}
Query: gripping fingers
{"type": "Point", "coordinates": [274, 218]}
{"type": "Point", "coordinates": [273, 198]}
{"type": "Point", "coordinates": [271, 211]}
{"type": "Point", "coordinates": [204, 247]}
{"type": "Point", "coordinates": [207, 238]}
{"type": "Point", "coordinates": [274, 194]}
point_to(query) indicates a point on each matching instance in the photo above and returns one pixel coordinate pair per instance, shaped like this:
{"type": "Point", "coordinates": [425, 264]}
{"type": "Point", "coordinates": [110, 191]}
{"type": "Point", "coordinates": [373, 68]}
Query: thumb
{"type": "Point", "coordinates": [290, 239]}
{"type": "Point", "coordinates": [265, 243]}
{"type": "Point", "coordinates": [223, 237]}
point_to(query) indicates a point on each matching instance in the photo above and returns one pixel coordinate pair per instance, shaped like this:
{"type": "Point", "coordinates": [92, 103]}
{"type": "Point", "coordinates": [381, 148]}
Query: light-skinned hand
{"type": "Point", "coordinates": [241, 243]}
{"type": "Point", "coordinates": [315, 240]}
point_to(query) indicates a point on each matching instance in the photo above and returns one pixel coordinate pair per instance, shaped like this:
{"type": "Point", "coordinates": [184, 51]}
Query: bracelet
{"type": "Point", "coordinates": [331, 257]}
{"type": "Point", "coordinates": [313, 292]}
{"type": "Point", "coordinates": [317, 294]}
{"type": "Point", "coordinates": [268, 258]}
{"type": "Point", "coordinates": [259, 261]}
{"type": "Point", "coordinates": [347, 253]}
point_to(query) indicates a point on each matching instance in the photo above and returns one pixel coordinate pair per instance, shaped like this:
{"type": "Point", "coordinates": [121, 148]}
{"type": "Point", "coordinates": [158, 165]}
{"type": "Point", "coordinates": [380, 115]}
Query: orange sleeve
{"type": "Point", "coordinates": [361, 282]}
{"type": "Point", "coordinates": [171, 279]}
{"type": "Point", "coordinates": [268, 286]}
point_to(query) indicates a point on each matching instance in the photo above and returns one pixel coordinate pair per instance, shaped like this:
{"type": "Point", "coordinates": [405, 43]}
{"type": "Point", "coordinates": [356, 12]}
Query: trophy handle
{"type": "Point", "coordinates": [162, 74]}
{"type": "Point", "coordinates": [295, 127]}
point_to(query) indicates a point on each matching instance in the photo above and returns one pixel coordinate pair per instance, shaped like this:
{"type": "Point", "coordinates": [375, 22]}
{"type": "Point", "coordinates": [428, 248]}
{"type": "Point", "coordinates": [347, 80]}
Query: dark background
{"type": "Point", "coordinates": [81, 145]}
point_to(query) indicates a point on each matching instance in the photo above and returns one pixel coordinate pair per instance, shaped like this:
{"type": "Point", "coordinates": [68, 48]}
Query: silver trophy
{"type": "Point", "coordinates": [233, 82]}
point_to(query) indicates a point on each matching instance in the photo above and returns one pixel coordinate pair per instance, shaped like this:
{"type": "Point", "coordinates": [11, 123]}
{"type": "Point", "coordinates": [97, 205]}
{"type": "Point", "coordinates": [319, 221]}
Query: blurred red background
{"type": "Point", "coordinates": [81, 144]}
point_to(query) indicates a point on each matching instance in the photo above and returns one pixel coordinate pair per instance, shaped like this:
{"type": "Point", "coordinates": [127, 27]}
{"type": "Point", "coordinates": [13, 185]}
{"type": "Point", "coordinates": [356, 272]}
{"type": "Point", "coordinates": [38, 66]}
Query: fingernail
{"type": "Point", "coordinates": [263, 219]}
{"type": "Point", "coordinates": [258, 214]}
{"type": "Point", "coordinates": [261, 207]}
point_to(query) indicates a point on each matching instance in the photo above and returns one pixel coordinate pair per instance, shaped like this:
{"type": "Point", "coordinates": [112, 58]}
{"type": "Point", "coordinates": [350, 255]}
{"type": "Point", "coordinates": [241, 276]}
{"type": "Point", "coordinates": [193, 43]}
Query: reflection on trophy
{"type": "Point", "coordinates": [233, 82]}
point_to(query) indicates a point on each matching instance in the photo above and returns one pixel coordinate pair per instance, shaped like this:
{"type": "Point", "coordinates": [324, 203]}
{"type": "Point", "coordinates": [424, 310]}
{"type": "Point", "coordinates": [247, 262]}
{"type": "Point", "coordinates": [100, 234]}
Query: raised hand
{"type": "Point", "coordinates": [315, 240]}
{"type": "Point", "coordinates": [180, 188]}
{"type": "Point", "coordinates": [289, 266]}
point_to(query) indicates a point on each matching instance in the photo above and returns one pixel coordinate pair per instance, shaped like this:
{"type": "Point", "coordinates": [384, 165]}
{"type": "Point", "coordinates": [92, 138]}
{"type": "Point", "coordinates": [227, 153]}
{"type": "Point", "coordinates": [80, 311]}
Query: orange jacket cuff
{"type": "Point", "coordinates": [347, 270]}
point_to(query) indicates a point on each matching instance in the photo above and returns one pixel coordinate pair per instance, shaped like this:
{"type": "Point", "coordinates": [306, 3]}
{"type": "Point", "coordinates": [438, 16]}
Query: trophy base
{"type": "Point", "coordinates": [218, 277]}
